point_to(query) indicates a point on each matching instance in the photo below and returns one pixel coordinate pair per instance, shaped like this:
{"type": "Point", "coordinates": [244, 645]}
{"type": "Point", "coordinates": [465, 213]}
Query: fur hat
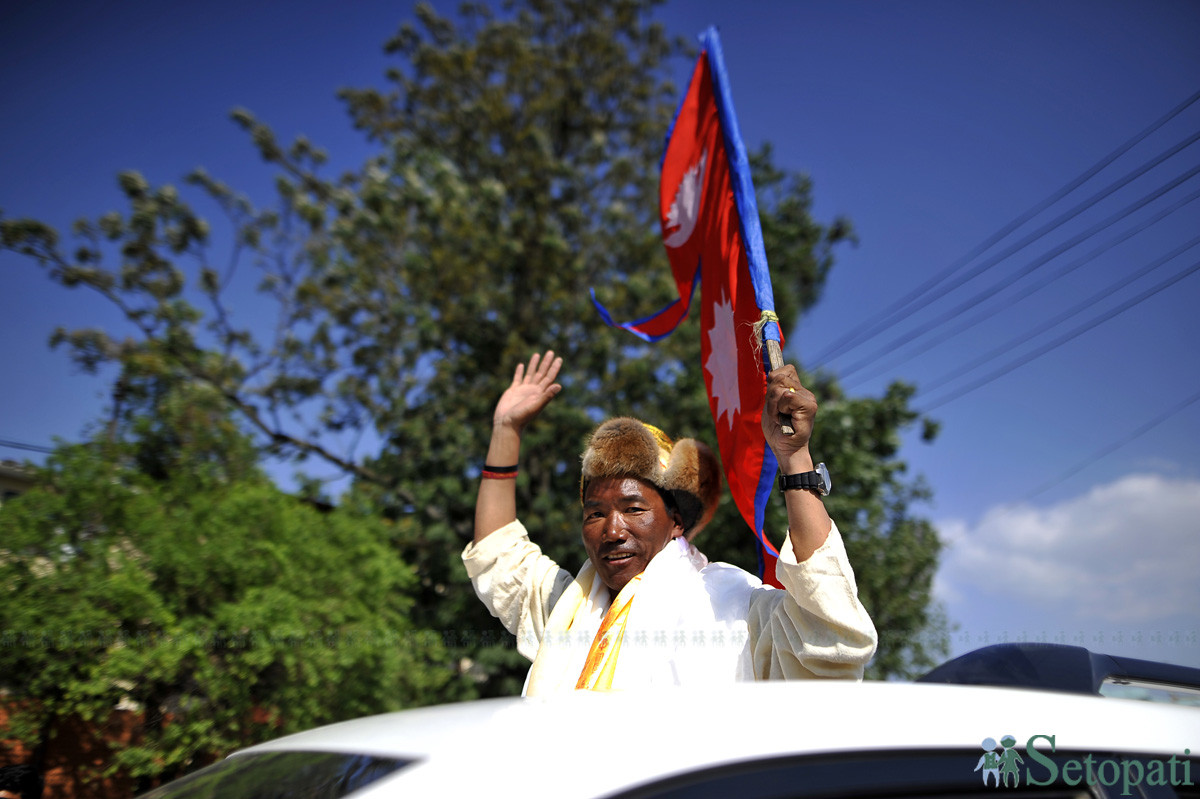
{"type": "Point", "coordinates": [687, 468]}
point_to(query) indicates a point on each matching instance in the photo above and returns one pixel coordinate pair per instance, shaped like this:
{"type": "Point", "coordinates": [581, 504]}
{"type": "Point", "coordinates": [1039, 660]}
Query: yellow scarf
{"type": "Point", "coordinates": [601, 663]}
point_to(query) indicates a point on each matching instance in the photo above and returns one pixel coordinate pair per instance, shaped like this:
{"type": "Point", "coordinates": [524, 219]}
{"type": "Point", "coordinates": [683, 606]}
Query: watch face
{"type": "Point", "coordinates": [826, 483]}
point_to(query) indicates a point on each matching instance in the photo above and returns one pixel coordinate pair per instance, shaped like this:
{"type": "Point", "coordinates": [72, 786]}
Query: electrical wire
{"type": "Point", "coordinates": [1027, 291]}
{"type": "Point", "coordinates": [991, 291]}
{"type": "Point", "coordinates": [1058, 342]}
{"type": "Point", "coordinates": [1122, 282]}
{"type": "Point", "coordinates": [1045, 229]}
{"type": "Point", "coordinates": [1105, 451]}
{"type": "Point", "coordinates": [872, 326]}
{"type": "Point", "coordinates": [29, 447]}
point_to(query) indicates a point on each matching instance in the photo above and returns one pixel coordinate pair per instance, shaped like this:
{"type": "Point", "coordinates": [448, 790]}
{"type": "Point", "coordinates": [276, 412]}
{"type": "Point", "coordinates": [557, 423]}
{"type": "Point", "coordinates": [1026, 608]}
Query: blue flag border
{"type": "Point", "coordinates": [756, 254]}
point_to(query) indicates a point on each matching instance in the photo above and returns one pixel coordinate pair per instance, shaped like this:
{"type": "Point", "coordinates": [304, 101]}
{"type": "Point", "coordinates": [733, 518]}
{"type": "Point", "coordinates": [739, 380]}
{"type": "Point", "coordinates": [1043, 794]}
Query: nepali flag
{"type": "Point", "coordinates": [712, 235]}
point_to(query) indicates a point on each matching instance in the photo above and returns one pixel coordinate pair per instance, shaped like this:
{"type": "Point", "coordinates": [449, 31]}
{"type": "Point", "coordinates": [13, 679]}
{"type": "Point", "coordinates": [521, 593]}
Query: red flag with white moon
{"type": "Point", "coordinates": [705, 181]}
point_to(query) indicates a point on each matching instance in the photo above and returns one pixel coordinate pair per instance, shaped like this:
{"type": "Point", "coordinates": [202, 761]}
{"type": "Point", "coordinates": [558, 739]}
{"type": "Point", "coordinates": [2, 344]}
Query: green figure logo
{"type": "Point", "coordinates": [1009, 761]}
{"type": "Point", "coordinates": [1002, 765]}
{"type": "Point", "coordinates": [990, 762]}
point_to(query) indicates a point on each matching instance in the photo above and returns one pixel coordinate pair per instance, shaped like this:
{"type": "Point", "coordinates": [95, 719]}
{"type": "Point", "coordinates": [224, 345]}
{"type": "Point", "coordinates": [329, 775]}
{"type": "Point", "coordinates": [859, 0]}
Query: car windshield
{"type": "Point", "coordinates": [298, 775]}
{"type": "Point", "coordinates": [1151, 691]}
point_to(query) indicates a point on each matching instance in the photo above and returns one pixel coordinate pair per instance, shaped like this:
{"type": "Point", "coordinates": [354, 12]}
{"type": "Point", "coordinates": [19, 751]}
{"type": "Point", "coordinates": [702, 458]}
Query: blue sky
{"type": "Point", "coordinates": [930, 124]}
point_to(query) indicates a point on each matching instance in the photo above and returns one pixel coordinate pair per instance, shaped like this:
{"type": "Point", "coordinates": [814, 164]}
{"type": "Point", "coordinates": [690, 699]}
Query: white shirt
{"type": "Point", "coordinates": [691, 623]}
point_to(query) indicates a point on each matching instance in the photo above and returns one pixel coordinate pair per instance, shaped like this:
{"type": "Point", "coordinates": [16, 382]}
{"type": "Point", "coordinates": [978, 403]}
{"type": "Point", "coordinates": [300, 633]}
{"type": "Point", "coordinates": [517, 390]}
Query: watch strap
{"type": "Point", "coordinates": [816, 480]}
{"type": "Point", "coordinates": [809, 480]}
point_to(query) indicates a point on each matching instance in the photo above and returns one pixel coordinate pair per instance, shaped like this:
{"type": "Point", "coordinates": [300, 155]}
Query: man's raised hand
{"type": "Point", "coordinates": [531, 390]}
{"type": "Point", "coordinates": [787, 399]}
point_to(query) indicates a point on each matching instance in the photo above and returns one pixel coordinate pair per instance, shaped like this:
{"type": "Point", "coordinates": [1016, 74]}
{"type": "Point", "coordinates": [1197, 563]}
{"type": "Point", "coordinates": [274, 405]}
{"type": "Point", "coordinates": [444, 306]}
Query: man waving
{"type": "Point", "coordinates": [648, 609]}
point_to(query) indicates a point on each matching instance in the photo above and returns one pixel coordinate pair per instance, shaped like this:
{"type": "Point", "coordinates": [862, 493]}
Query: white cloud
{"type": "Point", "coordinates": [1125, 553]}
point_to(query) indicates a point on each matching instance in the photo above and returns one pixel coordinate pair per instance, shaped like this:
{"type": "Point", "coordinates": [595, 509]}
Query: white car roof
{"type": "Point", "coordinates": [590, 744]}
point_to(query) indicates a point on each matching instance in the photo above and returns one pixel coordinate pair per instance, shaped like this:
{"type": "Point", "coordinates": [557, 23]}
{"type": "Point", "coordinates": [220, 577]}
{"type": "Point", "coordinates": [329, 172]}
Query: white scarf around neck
{"type": "Point", "coordinates": [687, 625]}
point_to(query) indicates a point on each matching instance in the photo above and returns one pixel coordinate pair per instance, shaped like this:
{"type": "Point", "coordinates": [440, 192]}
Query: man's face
{"type": "Point", "coordinates": [625, 524]}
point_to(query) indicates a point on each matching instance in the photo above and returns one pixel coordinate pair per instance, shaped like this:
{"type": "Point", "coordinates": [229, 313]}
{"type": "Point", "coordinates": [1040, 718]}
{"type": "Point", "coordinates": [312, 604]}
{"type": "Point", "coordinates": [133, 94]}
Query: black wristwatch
{"type": "Point", "coordinates": [816, 480]}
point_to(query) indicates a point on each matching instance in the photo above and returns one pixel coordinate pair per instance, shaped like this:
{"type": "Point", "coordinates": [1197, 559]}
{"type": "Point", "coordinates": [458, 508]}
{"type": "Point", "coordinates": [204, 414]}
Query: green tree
{"type": "Point", "coordinates": [187, 587]}
{"type": "Point", "coordinates": [515, 169]}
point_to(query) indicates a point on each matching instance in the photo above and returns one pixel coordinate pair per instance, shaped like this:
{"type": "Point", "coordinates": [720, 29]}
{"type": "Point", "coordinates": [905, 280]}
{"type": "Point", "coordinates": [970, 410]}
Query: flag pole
{"type": "Point", "coordinates": [747, 207]}
{"type": "Point", "coordinates": [775, 360]}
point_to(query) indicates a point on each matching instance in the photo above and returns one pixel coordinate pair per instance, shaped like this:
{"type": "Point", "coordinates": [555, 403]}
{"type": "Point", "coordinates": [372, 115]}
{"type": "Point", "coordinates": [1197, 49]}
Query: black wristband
{"type": "Point", "coordinates": [816, 480]}
{"type": "Point", "coordinates": [498, 472]}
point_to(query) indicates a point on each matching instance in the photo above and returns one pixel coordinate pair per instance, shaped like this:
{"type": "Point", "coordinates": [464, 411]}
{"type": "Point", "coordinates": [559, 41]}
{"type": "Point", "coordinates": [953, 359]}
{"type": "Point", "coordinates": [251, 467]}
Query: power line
{"type": "Point", "coordinates": [1028, 290]}
{"type": "Point", "coordinates": [871, 327]}
{"type": "Point", "coordinates": [1049, 227]}
{"type": "Point", "coordinates": [1116, 445]}
{"type": "Point", "coordinates": [1029, 268]}
{"type": "Point", "coordinates": [1058, 342]}
{"type": "Point", "coordinates": [1124, 281]}
{"type": "Point", "coordinates": [19, 445]}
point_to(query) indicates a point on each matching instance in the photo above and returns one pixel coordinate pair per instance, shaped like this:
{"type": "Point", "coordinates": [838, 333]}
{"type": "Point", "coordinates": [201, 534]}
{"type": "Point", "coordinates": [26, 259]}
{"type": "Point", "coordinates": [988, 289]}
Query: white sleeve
{"type": "Point", "coordinates": [815, 627]}
{"type": "Point", "coordinates": [517, 583]}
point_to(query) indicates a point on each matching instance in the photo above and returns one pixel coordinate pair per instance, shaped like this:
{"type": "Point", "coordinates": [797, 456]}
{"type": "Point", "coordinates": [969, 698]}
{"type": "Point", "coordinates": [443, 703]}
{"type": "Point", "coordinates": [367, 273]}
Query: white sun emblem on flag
{"type": "Point", "coordinates": [722, 363]}
{"type": "Point", "coordinates": [685, 208]}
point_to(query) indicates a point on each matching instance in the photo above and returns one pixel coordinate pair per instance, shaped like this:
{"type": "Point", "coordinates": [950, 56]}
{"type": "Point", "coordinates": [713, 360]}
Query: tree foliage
{"type": "Point", "coordinates": [515, 169]}
{"type": "Point", "coordinates": [199, 596]}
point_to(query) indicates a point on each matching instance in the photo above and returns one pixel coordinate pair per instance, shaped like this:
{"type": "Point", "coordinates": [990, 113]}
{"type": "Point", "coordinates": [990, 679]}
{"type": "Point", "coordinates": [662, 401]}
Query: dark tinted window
{"type": "Point", "coordinates": [887, 775]}
{"type": "Point", "coordinates": [297, 775]}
